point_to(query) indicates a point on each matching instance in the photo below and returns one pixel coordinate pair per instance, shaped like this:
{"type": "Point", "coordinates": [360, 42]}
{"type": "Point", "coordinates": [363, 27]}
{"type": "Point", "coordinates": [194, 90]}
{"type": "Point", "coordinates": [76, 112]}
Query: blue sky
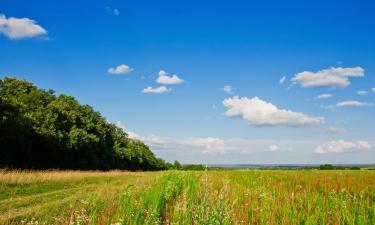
{"type": "Point", "coordinates": [321, 48]}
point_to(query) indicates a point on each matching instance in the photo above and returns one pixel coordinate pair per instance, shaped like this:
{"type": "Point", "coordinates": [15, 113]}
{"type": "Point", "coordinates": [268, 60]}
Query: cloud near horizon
{"type": "Point", "coordinates": [332, 77]}
{"type": "Point", "coordinates": [341, 146]}
{"type": "Point", "coordinates": [261, 113]}
{"type": "Point", "coordinates": [208, 145]}
{"type": "Point", "coordinates": [20, 28]}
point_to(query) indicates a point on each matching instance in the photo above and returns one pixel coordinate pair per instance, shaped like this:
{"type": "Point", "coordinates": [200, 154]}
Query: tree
{"type": "Point", "coordinates": [41, 130]}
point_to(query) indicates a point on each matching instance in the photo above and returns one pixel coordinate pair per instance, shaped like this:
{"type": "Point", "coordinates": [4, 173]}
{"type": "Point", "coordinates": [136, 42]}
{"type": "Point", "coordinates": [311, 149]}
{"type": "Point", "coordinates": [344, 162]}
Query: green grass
{"type": "Point", "coordinates": [180, 197]}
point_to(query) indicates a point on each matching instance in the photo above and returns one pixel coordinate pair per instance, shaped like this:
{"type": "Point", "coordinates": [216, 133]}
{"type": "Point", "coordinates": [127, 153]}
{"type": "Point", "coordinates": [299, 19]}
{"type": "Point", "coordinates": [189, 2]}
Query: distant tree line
{"type": "Point", "coordinates": [332, 167]}
{"type": "Point", "coordinates": [40, 130]}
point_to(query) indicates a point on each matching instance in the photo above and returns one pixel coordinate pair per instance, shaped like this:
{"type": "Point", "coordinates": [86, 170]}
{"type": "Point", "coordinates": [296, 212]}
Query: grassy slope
{"type": "Point", "coordinates": [213, 197]}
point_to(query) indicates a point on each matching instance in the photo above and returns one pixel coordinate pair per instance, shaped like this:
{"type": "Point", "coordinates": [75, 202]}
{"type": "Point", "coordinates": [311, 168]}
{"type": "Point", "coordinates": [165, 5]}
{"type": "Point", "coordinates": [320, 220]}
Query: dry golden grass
{"type": "Point", "coordinates": [28, 177]}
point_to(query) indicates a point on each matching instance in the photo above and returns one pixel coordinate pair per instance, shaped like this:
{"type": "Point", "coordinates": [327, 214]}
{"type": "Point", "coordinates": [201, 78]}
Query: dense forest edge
{"type": "Point", "coordinates": [41, 130]}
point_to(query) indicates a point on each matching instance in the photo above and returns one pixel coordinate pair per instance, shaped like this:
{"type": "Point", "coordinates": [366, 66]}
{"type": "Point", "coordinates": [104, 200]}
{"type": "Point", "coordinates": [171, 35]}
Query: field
{"type": "Point", "coordinates": [181, 197]}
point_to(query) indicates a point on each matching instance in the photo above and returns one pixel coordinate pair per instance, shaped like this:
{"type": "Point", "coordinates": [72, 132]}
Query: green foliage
{"type": "Point", "coordinates": [327, 167]}
{"type": "Point", "coordinates": [194, 167]}
{"type": "Point", "coordinates": [332, 167]}
{"type": "Point", "coordinates": [40, 130]}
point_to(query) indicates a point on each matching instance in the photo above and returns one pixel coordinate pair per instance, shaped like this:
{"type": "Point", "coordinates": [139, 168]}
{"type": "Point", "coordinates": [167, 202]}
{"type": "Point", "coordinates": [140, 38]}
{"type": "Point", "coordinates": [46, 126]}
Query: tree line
{"type": "Point", "coordinates": [41, 130]}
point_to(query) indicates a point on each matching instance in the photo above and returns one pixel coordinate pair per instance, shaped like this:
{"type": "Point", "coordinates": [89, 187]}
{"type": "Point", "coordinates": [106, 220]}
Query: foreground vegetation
{"type": "Point", "coordinates": [188, 197]}
{"type": "Point", "coordinates": [40, 130]}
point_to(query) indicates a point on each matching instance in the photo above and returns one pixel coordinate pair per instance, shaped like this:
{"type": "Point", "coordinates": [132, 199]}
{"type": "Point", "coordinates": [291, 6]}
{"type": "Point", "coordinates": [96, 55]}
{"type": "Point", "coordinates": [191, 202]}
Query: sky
{"type": "Point", "coordinates": [212, 82]}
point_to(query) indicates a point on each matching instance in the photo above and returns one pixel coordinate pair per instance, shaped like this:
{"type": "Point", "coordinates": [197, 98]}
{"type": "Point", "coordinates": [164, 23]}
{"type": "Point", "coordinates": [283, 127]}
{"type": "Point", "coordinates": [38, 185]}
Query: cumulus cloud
{"type": "Point", "coordinates": [341, 146]}
{"type": "Point", "coordinates": [362, 93]}
{"type": "Point", "coordinates": [323, 96]}
{"type": "Point", "coordinates": [332, 77]}
{"type": "Point", "coordinates": [20, 28]}
{"type": "Point", "coordinates": [228, 89]}
{"type": "Point", "coordinates": [168, 80]}
{"type": "Point", "coordinates": [120, 69]}
{"type": "Point", "coordinates": [157, 90]}
{"type": "Point", "coordinates": [335, 130]}
{"type": "Point", "coordinates": [353, 104]}
{"type": "Point", "coordinates": [261, 113]}
{"type": "Point", "coordinates": [282, 80]}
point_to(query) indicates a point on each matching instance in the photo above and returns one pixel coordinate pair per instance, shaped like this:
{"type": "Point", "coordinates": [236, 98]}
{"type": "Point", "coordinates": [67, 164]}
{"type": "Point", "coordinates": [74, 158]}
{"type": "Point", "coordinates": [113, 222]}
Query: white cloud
{"type": "Point", "coordinates": [282, 80]}
{"type": "Point", "coordinates": [261, 113]}
{"type": "Point", "coordinates": [353, 104]}
{"type": "Point", "coordinates": [335, 130]}
{"type": "Point", "coordinates": [19, 28]}
{"type": "Point", "coordinates": [228, 89]}
{"type": "Point", "coordinates": [341, 146]}
{"type": "Point", "coordinates": [373, 89]}
{"type": "Point", "coordinates": [120, 69]}
{"type": "Point", "coordinates": [209, 144]}
{"type": "Point", "coordinates": [206, 145]}
{"type": "Point", "coordinates": [323, 96]}
{"type": "Point", "coordinates": [272, 148]}
{"type": "Point", "coordinates": [332, 77]}
{"type": "Point", "coordinates": [362, 93]}
{"type": "Point", "coordinates": [157, 90]}
{"type": "Point", "coordinates": [168, 80]}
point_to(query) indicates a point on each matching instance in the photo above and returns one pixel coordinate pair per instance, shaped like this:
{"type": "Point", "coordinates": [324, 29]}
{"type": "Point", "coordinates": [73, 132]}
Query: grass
{"type": "Point", "coordinates": [181, 197]}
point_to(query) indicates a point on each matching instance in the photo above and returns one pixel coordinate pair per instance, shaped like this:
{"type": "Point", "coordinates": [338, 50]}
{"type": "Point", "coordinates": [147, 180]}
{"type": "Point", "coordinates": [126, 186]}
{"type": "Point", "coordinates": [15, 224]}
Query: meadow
{"type": "Point", "coordinates": [188, 197]}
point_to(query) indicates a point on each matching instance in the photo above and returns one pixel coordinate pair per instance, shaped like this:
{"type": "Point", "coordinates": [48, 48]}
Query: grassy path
{"type": "Point", "coordinates": [206, 197]}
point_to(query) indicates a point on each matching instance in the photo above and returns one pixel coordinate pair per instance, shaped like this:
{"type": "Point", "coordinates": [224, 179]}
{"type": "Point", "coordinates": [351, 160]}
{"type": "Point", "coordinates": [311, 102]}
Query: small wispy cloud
{"type": "Point", "coordinates": [353, 104]}
{"type": "Point", "coordinates": [362, 93]}
{"type": "Point", "coordinates": [323, 96]}
{"type": "Point", "coordinates": [157, 90]}
{"type": "Point", "coordinates": [112, 11]}
{"type": "Point", "coordinates": [335, 130]}
{"type": "Point", "coordinates": [228, 89]}
{"type": "Point", "coordinates": [282, 80]}
{"type": "Point", "coordinates": [272, 148]}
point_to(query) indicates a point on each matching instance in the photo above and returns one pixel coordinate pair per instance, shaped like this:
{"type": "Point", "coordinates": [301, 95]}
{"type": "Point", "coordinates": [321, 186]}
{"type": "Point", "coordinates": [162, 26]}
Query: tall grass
{"type": "Point", "coordinates": [180, 197]}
